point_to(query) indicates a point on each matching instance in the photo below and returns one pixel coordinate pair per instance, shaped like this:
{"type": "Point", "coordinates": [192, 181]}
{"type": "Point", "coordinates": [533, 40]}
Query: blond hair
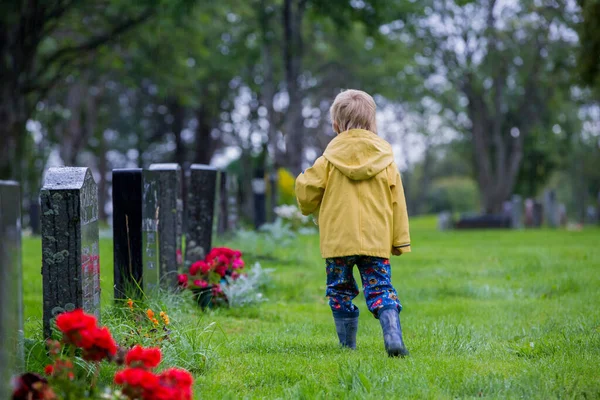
{"type": "Point", "coordinates": [354, 109]}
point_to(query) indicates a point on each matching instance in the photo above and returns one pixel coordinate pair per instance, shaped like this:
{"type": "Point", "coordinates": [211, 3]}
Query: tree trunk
{"type": "Point", "coordinates": [292, 54]}
{"type": "Point", "coordinates": [13, 117]}
{"type": "Point", "coordinates": [204, 143]}
{"type": "Point", "coordinates": [268, 94]}
{"type": "Point", "coordinates": [178, 113]}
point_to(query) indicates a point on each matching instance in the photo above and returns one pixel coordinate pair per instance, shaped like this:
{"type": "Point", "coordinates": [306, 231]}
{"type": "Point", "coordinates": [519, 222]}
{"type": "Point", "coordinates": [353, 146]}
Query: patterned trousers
{"type": "Point", "coordinates": [375, 274]}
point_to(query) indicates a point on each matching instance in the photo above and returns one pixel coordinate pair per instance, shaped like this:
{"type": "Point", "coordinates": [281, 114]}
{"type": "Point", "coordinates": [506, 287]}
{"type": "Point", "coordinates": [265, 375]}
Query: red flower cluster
{"type": "Point", "coordinates": [145, 358]}
{"type": "Point", "coordinates": [61, 369]}
{"type": "Point", "coordinates": [139, 382]}
{"type": "Point", "coordinates": [209, 273]}
{"type": "Point", "coordinates": [81, 330]}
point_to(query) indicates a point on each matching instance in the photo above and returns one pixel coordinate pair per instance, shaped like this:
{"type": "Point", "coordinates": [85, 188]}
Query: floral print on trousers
{"type": "Point", "coordinates": [376, 275]}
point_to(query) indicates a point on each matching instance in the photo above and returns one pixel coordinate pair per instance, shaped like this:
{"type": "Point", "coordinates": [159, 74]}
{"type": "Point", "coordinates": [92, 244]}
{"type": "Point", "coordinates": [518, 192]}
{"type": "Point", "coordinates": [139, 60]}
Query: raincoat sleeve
{"type": "Point", "coordinates": [401, 236]}
{"type": "Point", "coordinates": [310, 186]}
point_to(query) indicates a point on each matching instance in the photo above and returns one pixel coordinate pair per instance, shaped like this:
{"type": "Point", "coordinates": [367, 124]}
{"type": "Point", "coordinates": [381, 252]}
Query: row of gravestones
{"type": "Point", "coordinates": [148, 225]}
{"type": "Point", "coordinates": [516, 214]}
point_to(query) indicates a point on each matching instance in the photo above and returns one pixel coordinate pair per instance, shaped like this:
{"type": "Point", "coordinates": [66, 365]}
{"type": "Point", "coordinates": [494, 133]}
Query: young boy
{"type": "Point", "coordinates": [355, 189]}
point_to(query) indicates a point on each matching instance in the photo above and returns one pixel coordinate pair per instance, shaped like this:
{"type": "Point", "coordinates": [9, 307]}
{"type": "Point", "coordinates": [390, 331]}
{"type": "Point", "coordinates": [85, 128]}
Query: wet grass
{"type": "Point", "coordinates": [495, 314]}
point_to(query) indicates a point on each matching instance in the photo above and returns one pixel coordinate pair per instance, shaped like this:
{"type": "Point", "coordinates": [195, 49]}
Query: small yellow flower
{"type": "Point", "coordinates": [155, 321]}
{"type": "Point", "coordinates": [165, 317]}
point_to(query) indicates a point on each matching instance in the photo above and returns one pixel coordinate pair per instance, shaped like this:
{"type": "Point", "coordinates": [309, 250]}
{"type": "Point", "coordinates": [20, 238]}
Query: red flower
{"type": "Point", "coordinates": [49, 370]}
{"type": "Point", "coordinates": [221, 269]}
{"type": "Point", "coordinates": [204, 267]}
{"type": "Point", "coordinates": [137, 383]}
{"type": "Point", "coordinates": [101, 344]}
{"type": "Point", "coordinates": [195, 267]}
{"type": "Point", "coordinates": [75, 320]}
{"type": "Point", "coordinates": [238, 263]}
{"type": "Point", "coordinates": [200, 283]}
{"type": "Point", "coordinates": [216, 290]}
{"type": "Point", "coordinates": [182, 280]}
{"type": "Point", "coordinates": [223, 259]}
{"type": "Point", "coordinates": [143, 358]}
{"type": "Point", "coordinates": [179, 382]}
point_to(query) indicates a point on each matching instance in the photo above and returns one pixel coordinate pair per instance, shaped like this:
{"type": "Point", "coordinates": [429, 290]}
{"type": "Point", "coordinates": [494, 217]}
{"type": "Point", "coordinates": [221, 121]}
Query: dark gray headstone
{"type": "Point", "coordinates": [259, 189]}
{"type": "Point", "coordinates": [70, 257]}
{"type": "Point", "coordinates": [127, 232]}
{"type": "Point", "coordinates": [538, 214]}
{"type": "Point", "coordinates": [550, 207]}
{"type": "Point", "coordinates": [516, 211]}
{"type": "Point", "coordinates": [200, 212]}
{"type": "Point", "coordinates": [162, 220]}
{"type": "Point", "coordinates": [11, 286]}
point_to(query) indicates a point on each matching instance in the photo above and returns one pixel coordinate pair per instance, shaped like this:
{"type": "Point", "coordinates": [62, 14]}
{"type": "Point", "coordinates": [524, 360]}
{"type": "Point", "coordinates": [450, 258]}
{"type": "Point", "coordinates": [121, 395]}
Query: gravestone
{"type": "Point", "coordinates": [538, 214]}
{"type": "Point", "coordinates": [162, 221]}
{"type": "Point", "coordinates": [223, 203]}
{"type": "Point", "coordinates": [273, 195]}
{"type": "Point", "coordinates": [70, 258]}
{"type": "Point", "coordinates": [517, 212]}
{"type": "Point", "coordinates": [11, 286]}
{"type": "Point", "coordinates": [550, 207]}
{"type": "Point", "coordinates": [445, 221]}
{"type": "Point", "coordinates": [259, 189]}
{"type": "Point", "coordinates": [200, 212]}
{"type": "Point", "coordinates": [486, 221]}
{"type": "Point", "coordinates": [562, 215]}
{"type": "Point", "coordinates": [127, 232]}
{"type": "Point", "coordinates": [529, 213]}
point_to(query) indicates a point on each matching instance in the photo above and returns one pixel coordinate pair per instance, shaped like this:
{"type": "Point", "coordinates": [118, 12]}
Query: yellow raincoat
{"type": "Point", "coordinates": [356, 191]}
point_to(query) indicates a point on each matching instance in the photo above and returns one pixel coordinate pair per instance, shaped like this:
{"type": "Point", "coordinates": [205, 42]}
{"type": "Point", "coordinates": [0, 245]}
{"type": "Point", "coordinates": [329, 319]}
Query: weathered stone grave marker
{"type": "Point", "coordinates": [538, 214]}
{"type": "Point", "coordinates": [127, 232]}
{"type": "Point", "coordinates": [516, 212]}
{"type": "Point", "coordinates": [445, 221]}
{"type": "Point", "coordinates": [200, 212]}
{"type": "Point", "coordinates": [550, 208]}
{"type": "Point", "coordinates": [70, 258]}
{"type": "Point", "coordinates": [11, 286]}
{"type": "Point", "coordinates": [162, 219]}
{"type": "Point", "coordinates": [259, 189]}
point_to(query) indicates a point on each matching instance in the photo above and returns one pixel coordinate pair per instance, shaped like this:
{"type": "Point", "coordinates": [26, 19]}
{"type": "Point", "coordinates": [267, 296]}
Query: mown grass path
{"type": "Point", "coordinates": [494, 314]}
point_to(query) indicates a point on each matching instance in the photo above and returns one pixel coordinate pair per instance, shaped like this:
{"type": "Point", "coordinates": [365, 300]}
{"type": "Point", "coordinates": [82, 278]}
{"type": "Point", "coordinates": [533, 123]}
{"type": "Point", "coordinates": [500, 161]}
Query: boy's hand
{"type": "Point", "coordinates": [396, 251]}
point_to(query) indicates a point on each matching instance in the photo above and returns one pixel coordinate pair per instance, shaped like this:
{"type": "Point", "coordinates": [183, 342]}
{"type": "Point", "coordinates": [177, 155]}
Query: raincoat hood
{"type": "Point", "coordinates": [359, 154]}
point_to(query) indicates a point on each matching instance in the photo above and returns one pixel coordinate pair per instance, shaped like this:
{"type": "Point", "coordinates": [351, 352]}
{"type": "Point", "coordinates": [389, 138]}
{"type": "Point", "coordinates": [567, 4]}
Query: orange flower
{"type": "Point", "coordinates": [130, 304]}
{"type": "Point", "coordinates": [155, 321]}
{"type": "Point", "coordinates": [150, 314]}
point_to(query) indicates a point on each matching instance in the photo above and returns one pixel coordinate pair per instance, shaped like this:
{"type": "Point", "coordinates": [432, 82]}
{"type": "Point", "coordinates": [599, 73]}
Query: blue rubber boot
{"type": "Point", "coordinates": [392, 333]}
{"type": "Point", "coordinates": [346, 330]}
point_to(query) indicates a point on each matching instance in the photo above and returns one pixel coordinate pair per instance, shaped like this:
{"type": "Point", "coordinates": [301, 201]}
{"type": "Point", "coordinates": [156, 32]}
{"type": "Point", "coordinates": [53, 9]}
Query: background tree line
{"type": "Point", "coordinates": [481, 99]}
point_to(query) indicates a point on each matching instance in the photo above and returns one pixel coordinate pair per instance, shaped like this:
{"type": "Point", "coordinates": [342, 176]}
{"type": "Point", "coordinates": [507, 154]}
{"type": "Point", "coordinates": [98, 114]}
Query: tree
{"type": "Point", "coordinates": [589, 54]}
{"type": "Point", "coordinates": [498, 70]}
{"type": "Point", "coordinates": [40, 44]}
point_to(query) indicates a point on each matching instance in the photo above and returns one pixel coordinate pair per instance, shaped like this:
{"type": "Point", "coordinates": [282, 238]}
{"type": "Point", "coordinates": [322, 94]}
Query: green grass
{"type": "Point", "coordinates": [498, 314]}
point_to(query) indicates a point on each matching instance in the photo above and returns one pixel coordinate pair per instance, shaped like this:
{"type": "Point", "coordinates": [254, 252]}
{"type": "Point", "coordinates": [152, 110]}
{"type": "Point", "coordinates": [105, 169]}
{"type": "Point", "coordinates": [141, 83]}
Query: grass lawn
{"type": "Point", "coordinates": [496, 314]}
